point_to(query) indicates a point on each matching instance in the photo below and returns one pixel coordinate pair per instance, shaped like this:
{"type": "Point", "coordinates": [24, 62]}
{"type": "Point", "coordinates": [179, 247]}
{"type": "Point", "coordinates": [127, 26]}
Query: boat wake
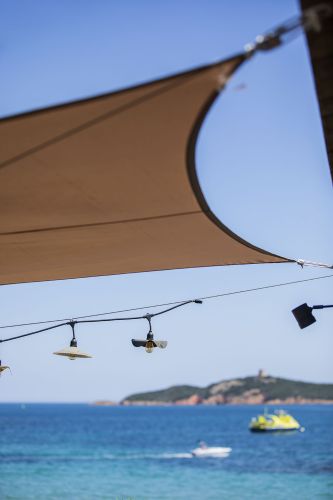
{"type": "Point", "coordinates": [101, 457]}
{"type": "Point", "coordinates": [152, 456]}
{"type": "Point", "coordinates": [167, 456]}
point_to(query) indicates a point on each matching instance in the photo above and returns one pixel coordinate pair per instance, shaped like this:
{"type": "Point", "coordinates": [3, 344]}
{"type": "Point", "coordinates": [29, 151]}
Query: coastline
{"type": "Point", "coordinates": [275, 402]}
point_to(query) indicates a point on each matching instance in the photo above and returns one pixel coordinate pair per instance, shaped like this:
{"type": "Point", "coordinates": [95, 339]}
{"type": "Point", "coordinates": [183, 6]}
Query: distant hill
{"type": "Point", "coordinates": [249, 390]}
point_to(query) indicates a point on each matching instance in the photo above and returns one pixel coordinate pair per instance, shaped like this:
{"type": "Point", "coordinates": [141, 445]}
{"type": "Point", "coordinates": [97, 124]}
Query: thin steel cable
{"type": "Point", "coordinates": [208, 297]}
{"type": "Point", "coordinates": [265, 287]}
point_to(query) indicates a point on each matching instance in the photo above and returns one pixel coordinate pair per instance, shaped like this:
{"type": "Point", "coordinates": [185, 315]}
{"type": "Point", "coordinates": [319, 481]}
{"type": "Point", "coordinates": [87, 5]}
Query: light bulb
{"type": "Point", "coordinates": [149, 346]}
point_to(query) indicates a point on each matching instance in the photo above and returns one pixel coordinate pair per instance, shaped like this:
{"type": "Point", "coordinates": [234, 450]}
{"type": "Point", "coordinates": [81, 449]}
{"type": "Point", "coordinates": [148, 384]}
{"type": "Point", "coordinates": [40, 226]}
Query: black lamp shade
{"type": "Point", "coordinates": [303, 315]}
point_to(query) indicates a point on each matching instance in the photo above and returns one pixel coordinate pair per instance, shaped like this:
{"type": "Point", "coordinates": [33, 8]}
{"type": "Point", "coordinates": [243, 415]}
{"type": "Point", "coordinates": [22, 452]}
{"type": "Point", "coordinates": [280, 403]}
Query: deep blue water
{"type": "Point", "coordinates": [89, 452]}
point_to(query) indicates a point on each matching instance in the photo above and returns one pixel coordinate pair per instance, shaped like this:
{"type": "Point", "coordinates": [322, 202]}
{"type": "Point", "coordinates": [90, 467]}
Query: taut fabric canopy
{"type": "Point", "coordinates": [108, 185]}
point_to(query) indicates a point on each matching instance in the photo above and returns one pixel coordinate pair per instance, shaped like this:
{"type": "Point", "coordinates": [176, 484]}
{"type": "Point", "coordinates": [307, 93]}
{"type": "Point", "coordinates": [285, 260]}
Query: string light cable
{"type": "Point", "coordinates": [173, 305]}
{"type": "Point", "coordinates": [74, 322]}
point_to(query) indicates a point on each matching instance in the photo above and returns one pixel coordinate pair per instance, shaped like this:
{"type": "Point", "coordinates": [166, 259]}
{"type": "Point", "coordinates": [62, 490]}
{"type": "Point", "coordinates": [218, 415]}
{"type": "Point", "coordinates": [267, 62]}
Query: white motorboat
{"type": "Point", "coordinates": [211, 451]}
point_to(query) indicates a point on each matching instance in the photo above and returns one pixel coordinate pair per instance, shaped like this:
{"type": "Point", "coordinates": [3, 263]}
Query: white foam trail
{"type": "Point", "coordinates": [165, 456]}
{"type": "Point", "coordinates": [109, 456]}
{"type": "Point", "coordinates": [176, 455]}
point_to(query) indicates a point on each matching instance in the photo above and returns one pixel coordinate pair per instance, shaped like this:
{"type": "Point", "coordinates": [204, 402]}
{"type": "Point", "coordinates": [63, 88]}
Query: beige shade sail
{"type": "Point", "coordinates": [108, 185]}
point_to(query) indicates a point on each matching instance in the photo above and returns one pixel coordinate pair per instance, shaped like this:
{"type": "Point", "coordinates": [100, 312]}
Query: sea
{"type": "Point", "coordinates": [81, 451]}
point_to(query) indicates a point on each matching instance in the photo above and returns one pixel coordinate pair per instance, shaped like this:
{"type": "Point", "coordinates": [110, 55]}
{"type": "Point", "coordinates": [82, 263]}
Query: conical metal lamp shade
{"type": "Point", "coordinates": [72, 352]}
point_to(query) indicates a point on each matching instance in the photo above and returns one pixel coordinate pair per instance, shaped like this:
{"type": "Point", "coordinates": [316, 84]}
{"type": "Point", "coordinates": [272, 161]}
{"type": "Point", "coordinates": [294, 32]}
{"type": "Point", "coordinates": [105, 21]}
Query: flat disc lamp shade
{"type": "Point", "coordinates": [72, 352]}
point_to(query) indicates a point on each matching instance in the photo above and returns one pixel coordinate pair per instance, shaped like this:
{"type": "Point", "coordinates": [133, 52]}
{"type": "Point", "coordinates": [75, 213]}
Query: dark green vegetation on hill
{"type": "Point", "coordinates": [171, 394]}
{"type": "Point", "coordinates": [268, 388]}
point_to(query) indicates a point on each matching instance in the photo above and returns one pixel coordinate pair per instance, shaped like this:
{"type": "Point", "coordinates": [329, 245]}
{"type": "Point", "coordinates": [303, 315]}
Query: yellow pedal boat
{"type": "Point", "coordinates": [277, 421]}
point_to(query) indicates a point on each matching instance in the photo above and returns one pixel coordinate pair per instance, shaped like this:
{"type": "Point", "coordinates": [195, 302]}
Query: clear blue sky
{"type": "Point", "coordinates": [263, 167]}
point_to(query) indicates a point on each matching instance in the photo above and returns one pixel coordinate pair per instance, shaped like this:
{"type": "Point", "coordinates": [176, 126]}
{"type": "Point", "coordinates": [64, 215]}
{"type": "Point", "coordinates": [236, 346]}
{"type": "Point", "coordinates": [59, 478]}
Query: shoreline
{"type": "Point", "coordinates": [243, 403]}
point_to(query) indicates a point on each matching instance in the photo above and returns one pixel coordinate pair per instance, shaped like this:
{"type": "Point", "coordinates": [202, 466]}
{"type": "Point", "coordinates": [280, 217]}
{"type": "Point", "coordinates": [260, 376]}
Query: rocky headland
{"type": "Point", "coordinates": [259, 389]}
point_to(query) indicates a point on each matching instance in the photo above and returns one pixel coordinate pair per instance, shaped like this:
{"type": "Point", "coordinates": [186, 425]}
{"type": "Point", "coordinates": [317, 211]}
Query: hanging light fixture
{"type": "Point", "coordinates": [303, 314]}
{"type": "Point", "coordinates": [149, 344]}
{"type": "Point", "coordinates": [3, 368]}
{"type": "Point", "coordinates": [72, 352]}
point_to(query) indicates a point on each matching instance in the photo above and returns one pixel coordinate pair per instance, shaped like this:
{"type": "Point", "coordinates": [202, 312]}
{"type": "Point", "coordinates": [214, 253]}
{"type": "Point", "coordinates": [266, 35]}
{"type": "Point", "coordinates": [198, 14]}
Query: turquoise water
{"type": "Point", "coordinates": [88, 452]}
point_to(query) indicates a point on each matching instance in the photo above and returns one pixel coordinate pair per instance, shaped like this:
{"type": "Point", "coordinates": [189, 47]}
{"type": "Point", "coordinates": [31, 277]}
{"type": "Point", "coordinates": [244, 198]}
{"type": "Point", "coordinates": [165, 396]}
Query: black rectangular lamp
{"type": "Point", "coordinates": [303, 315]}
